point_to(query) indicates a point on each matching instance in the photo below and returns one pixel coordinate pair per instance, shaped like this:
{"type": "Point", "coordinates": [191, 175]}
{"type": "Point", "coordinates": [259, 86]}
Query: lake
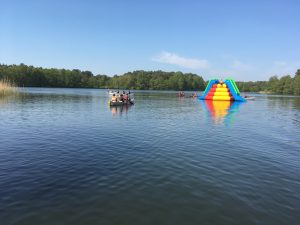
{"type": "Point", "coordinates": [66, 157]}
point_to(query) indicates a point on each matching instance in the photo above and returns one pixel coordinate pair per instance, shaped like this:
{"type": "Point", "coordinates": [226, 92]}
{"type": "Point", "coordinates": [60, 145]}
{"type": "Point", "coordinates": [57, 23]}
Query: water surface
{"type": "Point", "coordinates": [68, 158]}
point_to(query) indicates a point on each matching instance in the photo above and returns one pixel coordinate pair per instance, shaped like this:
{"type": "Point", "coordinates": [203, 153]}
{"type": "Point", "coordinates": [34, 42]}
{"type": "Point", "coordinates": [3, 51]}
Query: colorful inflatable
{"type": "Point", "coordinates": [217, 90]}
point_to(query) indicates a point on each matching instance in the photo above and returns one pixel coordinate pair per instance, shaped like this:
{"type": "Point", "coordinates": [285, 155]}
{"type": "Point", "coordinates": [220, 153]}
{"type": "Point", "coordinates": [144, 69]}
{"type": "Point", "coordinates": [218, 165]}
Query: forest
{"type": "Point", "coordinates": [29, 76]}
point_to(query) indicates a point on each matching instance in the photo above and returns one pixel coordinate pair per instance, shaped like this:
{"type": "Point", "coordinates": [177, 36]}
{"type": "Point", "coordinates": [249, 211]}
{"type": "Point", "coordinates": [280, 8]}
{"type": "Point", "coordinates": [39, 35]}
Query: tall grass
{"type": "Point", "coordinates": [7, 88]}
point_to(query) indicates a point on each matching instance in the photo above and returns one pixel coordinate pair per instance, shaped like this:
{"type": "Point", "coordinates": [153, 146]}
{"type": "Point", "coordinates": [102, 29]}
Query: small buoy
{"type": "Point", "coordinates": [224, 85]}
{"type": "Point", "coordinates": [219, 85]}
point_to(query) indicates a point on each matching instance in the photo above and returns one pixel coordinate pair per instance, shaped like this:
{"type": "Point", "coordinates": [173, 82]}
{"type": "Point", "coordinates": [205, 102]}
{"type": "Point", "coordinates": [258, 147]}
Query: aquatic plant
{"type": "Point", "coordinates": [7, 88]}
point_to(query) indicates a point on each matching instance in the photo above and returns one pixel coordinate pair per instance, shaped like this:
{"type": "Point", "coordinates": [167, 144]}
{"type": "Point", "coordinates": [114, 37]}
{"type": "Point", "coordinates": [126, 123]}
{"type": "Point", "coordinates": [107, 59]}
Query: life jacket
{"type": "Point", "coordinates": [113, 98]}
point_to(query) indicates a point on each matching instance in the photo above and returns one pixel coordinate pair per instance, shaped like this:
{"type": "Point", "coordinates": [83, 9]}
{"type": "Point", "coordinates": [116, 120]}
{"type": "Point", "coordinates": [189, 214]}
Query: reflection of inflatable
{"type": "Point", "coordinates": [218, 108]}
{"type": "Point", "coordinates": [221, 111]}
{"type": "Point", "coordinates": [222, 91]}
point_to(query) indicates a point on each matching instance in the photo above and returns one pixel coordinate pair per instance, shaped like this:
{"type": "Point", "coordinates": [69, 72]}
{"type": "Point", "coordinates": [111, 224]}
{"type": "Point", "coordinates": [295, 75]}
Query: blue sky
{"type": "Point", "coordinates": [246, 40]}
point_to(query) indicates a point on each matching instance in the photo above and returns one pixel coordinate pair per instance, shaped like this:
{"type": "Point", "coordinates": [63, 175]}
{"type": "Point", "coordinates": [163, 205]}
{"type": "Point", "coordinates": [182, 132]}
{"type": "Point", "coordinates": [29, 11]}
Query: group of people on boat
{"type": "Point", "coordinates": [123, 97]}
{"type": "Point", "coordinates": [194, 95]}
{"type": "Point", "coordinates": [182, 94]}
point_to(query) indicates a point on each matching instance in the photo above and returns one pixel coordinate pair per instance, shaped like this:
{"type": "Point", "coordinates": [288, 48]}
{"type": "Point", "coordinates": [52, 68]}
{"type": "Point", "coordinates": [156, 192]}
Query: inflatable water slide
{"type": "Point", "coordinates": [217, 90]}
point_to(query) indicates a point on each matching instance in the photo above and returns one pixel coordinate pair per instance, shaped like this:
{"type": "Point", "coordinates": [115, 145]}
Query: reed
{"type": "Point", "coordinates": [7, 88]}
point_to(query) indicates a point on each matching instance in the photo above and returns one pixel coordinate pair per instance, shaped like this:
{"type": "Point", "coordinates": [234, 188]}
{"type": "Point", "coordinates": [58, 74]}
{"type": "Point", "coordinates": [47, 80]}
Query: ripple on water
{"type": "Point", "coordinates": [66, 158]}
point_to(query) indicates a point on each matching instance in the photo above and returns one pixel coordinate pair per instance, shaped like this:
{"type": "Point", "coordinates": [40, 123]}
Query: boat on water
{"type": "Point", "coordinates": [194, 95]}
{"type": "Point", "coordinates": [181, 94]}
{"type": "Point", "coordinates": [249, 97]}
{"type": "Point", "coordinates": [118, 103]}
{"type": "Point", "coordinates": [120, 98]}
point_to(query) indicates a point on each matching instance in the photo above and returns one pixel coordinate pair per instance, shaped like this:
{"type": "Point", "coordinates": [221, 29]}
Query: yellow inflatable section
{"type": "Point", "coordinates": [222, 98]}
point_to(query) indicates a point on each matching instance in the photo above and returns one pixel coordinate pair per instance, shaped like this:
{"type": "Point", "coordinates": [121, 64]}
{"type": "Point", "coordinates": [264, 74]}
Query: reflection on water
{"type": "Point", "coordinates": [119, 110]}
{"type": "Point", "coordinates": [10, 98]}
{"type": "Point", "coordinates": [4, 100]}
{"type": "Point", "coordinates": [222, 112]}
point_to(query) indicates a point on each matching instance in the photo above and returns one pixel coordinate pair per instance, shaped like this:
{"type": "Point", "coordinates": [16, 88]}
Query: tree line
{"type": "Point", "coordinates": [29, 76]}
{"type": "Point", "coordinates": [278, 85]}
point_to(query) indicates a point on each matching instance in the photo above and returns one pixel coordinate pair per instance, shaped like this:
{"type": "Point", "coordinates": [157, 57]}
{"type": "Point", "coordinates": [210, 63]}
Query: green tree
{"type": "Point", "coordinates": [296, 83]}
{"type": "Point", "coordinates": [273, 84]}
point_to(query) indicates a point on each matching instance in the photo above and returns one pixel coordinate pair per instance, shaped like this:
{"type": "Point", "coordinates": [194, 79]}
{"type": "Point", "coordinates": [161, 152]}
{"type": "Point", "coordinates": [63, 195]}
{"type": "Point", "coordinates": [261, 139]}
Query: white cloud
{"type": "Point", "coordinates": [174, 59]}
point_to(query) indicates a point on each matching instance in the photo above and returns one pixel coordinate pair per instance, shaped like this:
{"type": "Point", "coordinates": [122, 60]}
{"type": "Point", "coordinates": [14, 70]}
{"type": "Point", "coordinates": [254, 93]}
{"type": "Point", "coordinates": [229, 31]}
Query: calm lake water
{"type": "Point", "coordinates": [68, 158]}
